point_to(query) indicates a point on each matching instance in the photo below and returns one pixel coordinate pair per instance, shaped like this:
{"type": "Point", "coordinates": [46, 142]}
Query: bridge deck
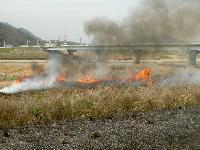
{"type": "Point", "coordinates": [144, 46]}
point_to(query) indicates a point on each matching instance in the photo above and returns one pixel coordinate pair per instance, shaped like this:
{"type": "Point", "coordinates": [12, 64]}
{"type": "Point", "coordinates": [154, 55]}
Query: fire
{"type": "Point", "coordinates": [61, 78]}
{"type": "Point", "coordinates": [19, 81]}
{"type": "Point", "coordinates": [144, 75]}
{"type": "Point", "coordinates": [88, 80]}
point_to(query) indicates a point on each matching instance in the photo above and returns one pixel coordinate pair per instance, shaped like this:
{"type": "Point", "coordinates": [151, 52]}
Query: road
{"type": "Point", "coordinates": [108, 61]}
{"type": "Point", "coordinates": [23, 61]}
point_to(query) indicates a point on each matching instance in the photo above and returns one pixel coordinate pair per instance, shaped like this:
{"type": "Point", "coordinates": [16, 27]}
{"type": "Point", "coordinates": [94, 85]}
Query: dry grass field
{"type": "Point", "coordinates": [10, 72]}
{"type": "Point", "coordinates": [102, 101]}
{"type": "Point", "coordinates": [58, 104]}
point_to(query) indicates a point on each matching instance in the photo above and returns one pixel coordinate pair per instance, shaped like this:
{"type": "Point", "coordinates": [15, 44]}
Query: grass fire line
{"type": "Point", "coordinates": [45, 82]}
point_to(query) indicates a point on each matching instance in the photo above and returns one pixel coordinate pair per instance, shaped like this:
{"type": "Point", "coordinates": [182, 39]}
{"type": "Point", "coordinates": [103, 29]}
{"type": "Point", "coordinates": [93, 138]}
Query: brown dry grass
{"type": "Point", "coordinates": [12, 71]}
{"type": "Point", "coordinates": [106, 101]}
{"type": "Point", "coordinates": [58, 104]}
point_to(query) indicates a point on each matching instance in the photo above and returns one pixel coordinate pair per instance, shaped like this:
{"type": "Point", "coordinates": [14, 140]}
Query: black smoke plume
{"type": "Point", "coordinates": [153, 21]}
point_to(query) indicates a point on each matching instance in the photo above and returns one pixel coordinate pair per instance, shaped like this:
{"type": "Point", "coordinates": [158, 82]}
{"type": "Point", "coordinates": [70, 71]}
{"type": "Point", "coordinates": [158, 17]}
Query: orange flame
{"type": "Point", "coordinates": [88, 80]}
{"type": "Point", "coordinates": [19, 81]}
{"type": "Point", "coordinates": [144, 75]}
{"type": "Point", "coordinates": [61, 78]}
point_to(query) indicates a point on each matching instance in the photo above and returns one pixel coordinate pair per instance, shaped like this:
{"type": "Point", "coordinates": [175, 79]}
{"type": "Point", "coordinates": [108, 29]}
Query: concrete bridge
{"type": "Point", "coordinates": [192, 48]}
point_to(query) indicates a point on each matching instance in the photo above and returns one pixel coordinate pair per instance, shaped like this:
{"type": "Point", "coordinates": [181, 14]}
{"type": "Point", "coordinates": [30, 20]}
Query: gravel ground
{"type": "Point", "coordinates": [168, 129]}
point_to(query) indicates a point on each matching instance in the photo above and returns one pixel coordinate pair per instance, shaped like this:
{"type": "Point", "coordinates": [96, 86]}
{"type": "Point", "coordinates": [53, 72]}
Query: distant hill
{"type": "Point", "coordinates": [16, 36]}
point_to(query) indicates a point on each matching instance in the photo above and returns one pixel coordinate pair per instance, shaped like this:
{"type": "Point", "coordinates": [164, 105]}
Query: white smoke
{"type": "Point", "coordinates": [182, 79]}
{"type": "Point", "coordinates": [44, 81]}
{"type": "Point", "coordinates": [100, 70]}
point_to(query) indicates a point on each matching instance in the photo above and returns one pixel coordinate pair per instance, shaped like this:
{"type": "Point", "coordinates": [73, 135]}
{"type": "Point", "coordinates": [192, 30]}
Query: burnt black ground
{"type": "Point", "coordinates": [167, 129]}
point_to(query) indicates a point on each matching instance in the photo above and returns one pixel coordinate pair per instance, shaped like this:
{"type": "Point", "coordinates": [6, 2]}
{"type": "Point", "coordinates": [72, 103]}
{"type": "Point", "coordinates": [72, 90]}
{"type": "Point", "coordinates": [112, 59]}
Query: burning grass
{"type": "Point", "coordinates": [107, 101]}
{"type": "Point", "coordinates": [100, 100]}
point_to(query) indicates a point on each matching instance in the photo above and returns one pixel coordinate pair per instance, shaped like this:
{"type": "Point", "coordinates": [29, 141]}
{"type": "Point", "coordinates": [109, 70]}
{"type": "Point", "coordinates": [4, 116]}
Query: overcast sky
{"type": "Point", "coordinates": [50, 19]}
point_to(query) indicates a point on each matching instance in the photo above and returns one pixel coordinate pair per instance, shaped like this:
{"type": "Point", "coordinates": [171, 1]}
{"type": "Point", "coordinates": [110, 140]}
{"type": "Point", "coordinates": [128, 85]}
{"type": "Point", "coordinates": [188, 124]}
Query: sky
{"type": "Point", "coordinates": [51, 19]}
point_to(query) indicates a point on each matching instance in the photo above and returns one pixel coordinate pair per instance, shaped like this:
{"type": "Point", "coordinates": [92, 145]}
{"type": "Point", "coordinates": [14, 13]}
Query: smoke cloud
{"type": "Point", "coordinates": [153, 21]}
{"type": "Point", "coordinates": [45, 80]}
{"type": "Point", "coordinates": [48, 77]}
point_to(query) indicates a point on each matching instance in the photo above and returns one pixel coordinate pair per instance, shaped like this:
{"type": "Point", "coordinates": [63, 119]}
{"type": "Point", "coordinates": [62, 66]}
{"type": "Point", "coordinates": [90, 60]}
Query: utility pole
{"type": "Point", "coordinates": [4, 44]}
{"type": "Point", "coordinates": [65, 37]}
{"type": "Point", "coordinates": [88, 39]}
{"type": "Point", "coordinates": [27, 42]}
{"type": "Point", "coordinates": [80, 40]}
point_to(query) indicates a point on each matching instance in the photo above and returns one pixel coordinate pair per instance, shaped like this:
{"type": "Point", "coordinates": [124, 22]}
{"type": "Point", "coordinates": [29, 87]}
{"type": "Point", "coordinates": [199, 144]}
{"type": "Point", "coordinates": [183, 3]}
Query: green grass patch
{"type": "Point", "coordinates": [9, 78]}
{"type": "Point", "coordinates": [22, 54]}
{"type": "Point", "coordinates": [6, 50]}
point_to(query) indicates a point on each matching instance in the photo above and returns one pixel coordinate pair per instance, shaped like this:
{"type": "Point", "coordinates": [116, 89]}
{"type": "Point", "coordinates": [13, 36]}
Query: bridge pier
{"type": "Point", "coordinates": [137, 55]}
{"type": "Point", "coordinates": [71, 52]}
{"type": "Point", "coordinates": [192, 57]}
{"type": "Point", "coordinates": [98, 55]}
